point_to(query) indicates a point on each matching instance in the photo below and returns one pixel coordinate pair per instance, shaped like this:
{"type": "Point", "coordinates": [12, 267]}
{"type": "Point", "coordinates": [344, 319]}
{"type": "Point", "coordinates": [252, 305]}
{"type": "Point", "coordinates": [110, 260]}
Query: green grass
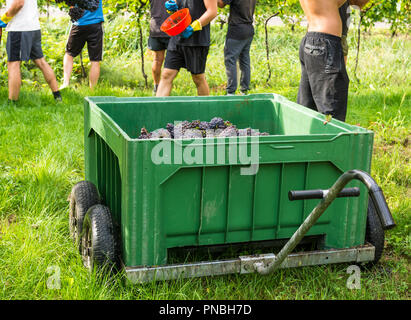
{"type": "Point", "coordinates": [41, 158]}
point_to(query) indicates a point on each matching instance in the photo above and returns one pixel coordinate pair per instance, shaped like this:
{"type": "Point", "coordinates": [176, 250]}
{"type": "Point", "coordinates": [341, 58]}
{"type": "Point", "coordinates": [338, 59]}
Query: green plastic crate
{"type": "Point", "coordinates": [160, 206]}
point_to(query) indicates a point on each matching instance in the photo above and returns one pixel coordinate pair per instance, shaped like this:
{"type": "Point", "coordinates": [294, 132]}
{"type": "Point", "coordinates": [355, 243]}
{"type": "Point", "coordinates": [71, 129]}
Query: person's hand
{"type": "Point", "coordinates": [5, 18]}
{"type": "Point", "coordinates": [188, 32]}
{"type": "Point", "coordinates": [2, 24]}
{"type": "Point", "coordinates": [171, 6]}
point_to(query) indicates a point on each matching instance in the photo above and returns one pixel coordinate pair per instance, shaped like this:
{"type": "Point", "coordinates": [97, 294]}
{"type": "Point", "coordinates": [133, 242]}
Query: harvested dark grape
{"type": "Point", "coordinates": [160, 134]}
{"type": "Point", "coordinates": [248, 132]}
{"type": "Point", "coordinates": [204, 125]}
{"type": "Point", "coordinates": [170, 128]}
{"type": "Point", "coordinates": [213, 133]}
{"type": "Point", "coordinates": [217, 123]}
{"type": "Point", "coordinates": [193, 134]}
{"type": "Point", "coordinates": [77, 7]}
{"type": "Point", "coordinates": [144, 134]}
{"type": "Point", "coordinates": [195, 124]}
{"type": "Point", "coordinates": [197, 129]}
{"type": "Point", "coordinates": [76, 14]}
{"type": "Point", "coordinates": [229, 132]}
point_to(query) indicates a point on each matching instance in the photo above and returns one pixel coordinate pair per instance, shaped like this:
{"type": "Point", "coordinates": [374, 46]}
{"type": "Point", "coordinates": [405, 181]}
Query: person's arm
{"type": "Point", "coordinates": [210, 14]}
{"type": "Point", "coordinates": [221, 4]}
{"type": "Point", "coordinates": [205, 19]}
{"type": "Point", "coordinates": [359, 3]}
{"type": "Point", "coordinates": [12, 11]}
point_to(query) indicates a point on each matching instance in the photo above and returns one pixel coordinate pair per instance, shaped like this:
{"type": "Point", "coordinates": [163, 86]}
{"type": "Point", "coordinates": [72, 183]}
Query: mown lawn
{"type": "Point", "coordinates": [41, 158]}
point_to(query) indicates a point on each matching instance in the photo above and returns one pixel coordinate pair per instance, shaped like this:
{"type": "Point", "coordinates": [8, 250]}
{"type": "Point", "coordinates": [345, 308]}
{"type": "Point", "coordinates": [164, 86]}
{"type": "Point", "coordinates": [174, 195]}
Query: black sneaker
{"type": "Point", "coordinates": [155, 89]}
{"type": "Point", "coordinates": [57, 96]}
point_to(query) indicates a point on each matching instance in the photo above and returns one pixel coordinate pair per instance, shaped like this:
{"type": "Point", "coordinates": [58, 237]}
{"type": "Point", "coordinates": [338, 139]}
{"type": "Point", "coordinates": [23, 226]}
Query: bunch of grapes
{"type": "Point", "coordinates": [78, 7]}
{"type": "Point", "coordinates": [76, 13]}
{"type": "Point", "coordinates": [197, 129]}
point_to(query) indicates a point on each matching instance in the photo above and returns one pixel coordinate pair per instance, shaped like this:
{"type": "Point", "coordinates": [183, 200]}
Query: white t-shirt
{"type": "Point", "coordinates": [27, 19]}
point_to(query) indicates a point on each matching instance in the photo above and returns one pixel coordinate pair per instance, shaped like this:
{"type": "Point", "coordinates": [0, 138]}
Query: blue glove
{"type": "Point", "coordinates": [187, 33]}
{"type": "Point", "coordinates": [171, 6]}
{"type": "Point", "coordinates": [2, 24]}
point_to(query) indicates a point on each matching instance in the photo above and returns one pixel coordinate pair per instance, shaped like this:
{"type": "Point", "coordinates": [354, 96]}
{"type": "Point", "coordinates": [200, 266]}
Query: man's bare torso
{"type": "Point", "coordinates": [323, 15]}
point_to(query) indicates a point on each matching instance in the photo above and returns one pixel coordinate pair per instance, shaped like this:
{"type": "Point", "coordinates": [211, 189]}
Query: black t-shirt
{"type": "Point", "coordinates": [199, 38]}
{"type": "Point", "coordinates": [158, 16]}
{"type": "Point", "coordinates": [345, 15]}
{"type": "Point", "coordinates": [240, 21]}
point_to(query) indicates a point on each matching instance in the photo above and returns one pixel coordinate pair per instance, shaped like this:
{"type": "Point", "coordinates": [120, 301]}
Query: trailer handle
{"type": "Point", "coordinates": [376, 195]}
{"type": "Point", "coordinates": [320, 194]}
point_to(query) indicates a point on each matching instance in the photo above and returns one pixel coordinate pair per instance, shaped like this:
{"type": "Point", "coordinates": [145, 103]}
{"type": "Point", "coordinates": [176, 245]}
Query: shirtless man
{"type": "Point", "coordinates": [324, 79]}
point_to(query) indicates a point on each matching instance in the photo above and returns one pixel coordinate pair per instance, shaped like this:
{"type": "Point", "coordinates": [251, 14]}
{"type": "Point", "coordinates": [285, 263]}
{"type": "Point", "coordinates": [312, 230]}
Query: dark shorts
{"type": "Point", "coordinates": [24, 45]}
{"type": "Point", "coordinates": [93, 34]}
{"type": "Point", "coordinates": [158, 44]}
{"type": "Point", "coordinates": [194, 59]}
{"type": "Point", "coordinates": [324, 79]}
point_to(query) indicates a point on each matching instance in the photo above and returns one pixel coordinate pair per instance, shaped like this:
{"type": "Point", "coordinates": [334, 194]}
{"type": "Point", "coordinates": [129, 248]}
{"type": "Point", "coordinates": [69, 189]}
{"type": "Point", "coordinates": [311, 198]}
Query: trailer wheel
{"type": "Point", "coordinates": [374, 232]}
{"type": "Point", "coordinates": [83, 196]}
{"type": "Point", "coordinates": [97, 242]}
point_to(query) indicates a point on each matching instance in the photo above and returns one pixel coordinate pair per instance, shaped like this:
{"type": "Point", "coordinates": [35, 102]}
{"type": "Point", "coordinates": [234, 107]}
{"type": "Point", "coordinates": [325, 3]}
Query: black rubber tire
{"type": "Point", "coordinates": [374, 232]}
{"type": "Point", "coordinates": [83, 196]}
{"type": "Point", "coordinates": [97, 245]}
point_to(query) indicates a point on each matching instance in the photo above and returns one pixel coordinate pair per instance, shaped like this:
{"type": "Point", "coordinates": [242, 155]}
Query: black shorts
{"type": "Point", "coordinates": [158, 43]}
{"type": "Point", "coordinates": [24, 45]}
{"type": "Point", "coordinates": [194, 59]}
{"type": "Point", "coordinates": [324, 79]}
{"type": "Point", "coordinates": [93, 34]}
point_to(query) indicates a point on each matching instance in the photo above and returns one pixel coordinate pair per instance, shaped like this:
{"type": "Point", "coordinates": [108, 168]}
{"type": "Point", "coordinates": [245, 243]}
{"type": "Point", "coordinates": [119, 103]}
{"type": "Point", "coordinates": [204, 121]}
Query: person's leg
{"type": "Point", "coordinates": [95, 51]}
{"type": "Point", "coordinates": [201, 84]}
{"type": "Point", "coordinates": [173, 63]}
{"type": "Point", "coordinates": [75, 43]}
{"type": "Point", "coordinates": [68, 62]}
{"type": "Point", "coordinates": [14, 79]}
{"type": "Point", "coordinates": [166, 82]}
{"type": "Point", "coordinates": [36, 55]}
{"type": "Point", "coordinates": [232, 51]}
{"type": "Point", "coordinates": [245, 66]}
{"type": "Point", "coordinates": [328, 76]}
{"type": "Point", "coordinates": [48, 73]}
{"type": "Point", "coordinates": [305, 96]}
{"type": "Point", "coordinates": [157, 65]}
{"type": "Point", "coordinates": [94, 73]}
{"type": "Point", "coordinates": [17, 50]}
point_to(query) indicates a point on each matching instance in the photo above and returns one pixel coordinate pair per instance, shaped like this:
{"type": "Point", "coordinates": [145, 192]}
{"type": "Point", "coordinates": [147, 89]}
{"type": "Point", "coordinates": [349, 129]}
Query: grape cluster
{"type": "Point", "coordinates": [76, 13]}
{"type": "Point", "coordinates": [90, 5]}
{"type": "Point", "coordinates": [197, 129]}
{"type": "Point", "coordinates": [78, 7]}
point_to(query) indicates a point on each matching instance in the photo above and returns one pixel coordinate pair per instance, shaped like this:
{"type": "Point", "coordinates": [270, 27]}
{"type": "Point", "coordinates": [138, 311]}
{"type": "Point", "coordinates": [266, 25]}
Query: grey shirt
{"type": "Point", "coordinates": [240, 21]}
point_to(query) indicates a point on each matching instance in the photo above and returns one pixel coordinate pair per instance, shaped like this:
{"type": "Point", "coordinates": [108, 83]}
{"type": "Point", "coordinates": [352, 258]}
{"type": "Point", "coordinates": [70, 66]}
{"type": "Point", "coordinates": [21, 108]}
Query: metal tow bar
{"type": "Point", "coordinates": [328, 196]}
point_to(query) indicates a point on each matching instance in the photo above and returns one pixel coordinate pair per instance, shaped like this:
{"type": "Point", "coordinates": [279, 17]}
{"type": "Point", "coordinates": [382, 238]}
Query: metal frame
{"type": "Point", "coordinates": [246, 264]}
{"type": "Point", "coordinates": [268, 263]}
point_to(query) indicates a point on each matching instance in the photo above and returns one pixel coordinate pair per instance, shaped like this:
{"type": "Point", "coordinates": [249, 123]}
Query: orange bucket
{"type": "Point", "coordinates": [177, 22]}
